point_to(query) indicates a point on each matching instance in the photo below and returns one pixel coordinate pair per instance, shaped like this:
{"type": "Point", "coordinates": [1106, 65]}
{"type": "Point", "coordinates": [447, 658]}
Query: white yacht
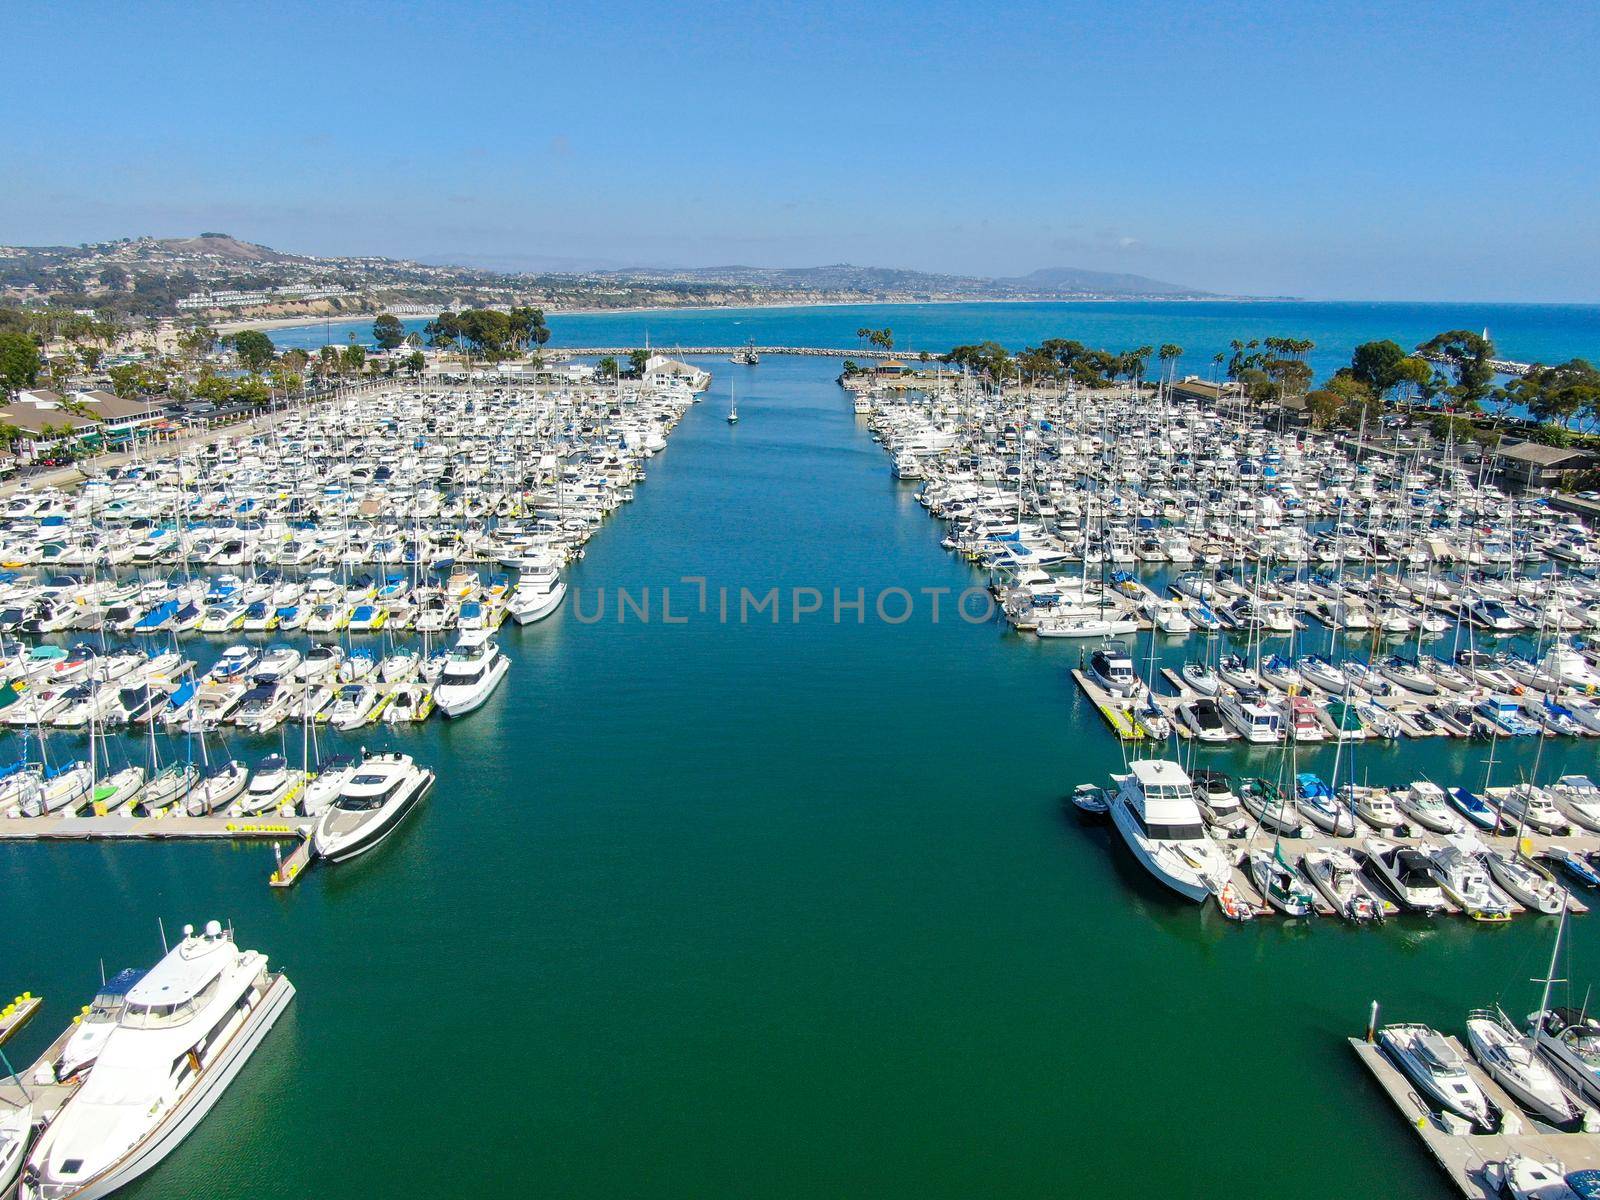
{"type": "Point", "coordinates": [1111, 666]}
{"type": "Point", "coordinates": [375, 798]}
{"type": "Point", "coordinates": [1511, 1060]}
{"type": "Point", "coordinates": [1569, 1040]}
{"type": "Point", "coordinates": [1440, 1072]}
{"type": "Point", "coordinates": [1251, 717]}
{"type": "Point", "coordinates": [1461, 878]}
{"type": "Point", "coordinates": [1424, 802]}
{"type": "Point", "coordinates": [323, 788]}
{"type": "Point", "coordinates": [539, 592]}
{"type": "Point", "coordinates": [273, 786]}
{"type": "Point", "coordinates": [1407, 872]}
{"type": "Point", "coordinates": [184, 1032]}
{"type": "Point", "coordinates": [96, 1024]}
{"type": "Point", "coordinates": [1578, 798]}
{"type": "Point", "coordinates": [471, 673]}
{"type": "Point", "coordinates": [1334, 873]}
{"type": "Point", "coordinates": [16, 1128]}
{"type": "Point", "coordinates": [1155, 812]}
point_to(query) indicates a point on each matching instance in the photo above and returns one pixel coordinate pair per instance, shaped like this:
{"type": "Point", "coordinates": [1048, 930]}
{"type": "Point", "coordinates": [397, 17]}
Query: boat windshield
{"type": "Point", "coordinates": [165, 1016]}
{"type": "Point", "coordinates": [1586, 1045]}
{"type": "Point", "coordinates": [105, 1007]}
{"type": "Point", "coordinates": [1169, 791]}
{"type": "Point", "coordinates": [368, 800]}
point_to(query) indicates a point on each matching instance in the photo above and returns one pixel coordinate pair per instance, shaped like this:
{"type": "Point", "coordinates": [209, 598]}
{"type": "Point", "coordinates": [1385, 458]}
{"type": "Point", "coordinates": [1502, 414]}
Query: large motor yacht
{"type": "Point", "coordinates": [472, 672]}
{"type": "Point", "coordinates": [538, 593]}
{"type": "Point", "coordinates": [1440, 1073]}
{"type": "Point", "coordinates": [373, 801]}
{"type": "Point", "coordinates": [1155, 811]}
{"type": "Point", "coordinates": [184, 1032]}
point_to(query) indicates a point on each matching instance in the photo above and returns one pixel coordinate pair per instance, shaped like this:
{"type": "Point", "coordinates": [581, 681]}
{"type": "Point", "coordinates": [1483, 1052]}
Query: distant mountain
{"type": "Point", "coordinates": [1077, 280]}
{"type": "Point", "coordinates": [217, 274]}
{"type": "Point", "coordinates": [1054, 282]}
{"type": "Point", "coordinates": [228, 249]}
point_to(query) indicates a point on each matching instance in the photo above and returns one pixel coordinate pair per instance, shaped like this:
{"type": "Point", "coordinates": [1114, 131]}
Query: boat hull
{"type": "Point", "coordinates": [369, 836]}
{"type": "Point", "coordinates": [167, 1136]}
{"type": "Point", "coordinates": [1189, 890]}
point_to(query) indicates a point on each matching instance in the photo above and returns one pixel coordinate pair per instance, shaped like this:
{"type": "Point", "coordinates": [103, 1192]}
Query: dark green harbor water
{"type": "Point", "coordinates": [732, 910]}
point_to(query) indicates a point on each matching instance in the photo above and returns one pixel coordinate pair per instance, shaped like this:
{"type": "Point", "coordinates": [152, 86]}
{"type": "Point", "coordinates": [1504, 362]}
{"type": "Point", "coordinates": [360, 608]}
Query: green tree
{"type": "Point", "coordinates": [637, 360]}
{"type": "Point", "coordinates": [353, 359]}
{"type": "Point", "coordinates": [1466, 355]}
{"type": "Point", "coordinates": [987, 360]}
{"type": "Point", "coordinates": [1323, 406]}
{"type": "Point", "coordinates": [388, 332]}
{"type": "Point", "coordinates": [1416, 374]}
{"type": "Point", "coordinates": [254, 350]}
{"type": "Point", "coordinates": [132, 380]}
{"type": "Point", "coordinates": [1377, 365]}
{"type": "Point", "coordinates": [1244, 357]}
{"type": "Point", "coordinates": [444, 331]}
{"type": "Point", "coordinates": [1560, 393]}
{"type": "Point", "coordinates": [606, 368]}
{"type": "Point", "coordinates": [19, 362]}
{"type": "Point", "coordinates": [416, 362]}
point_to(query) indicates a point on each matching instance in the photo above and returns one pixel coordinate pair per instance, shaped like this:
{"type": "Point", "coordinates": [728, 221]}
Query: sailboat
{"type": "Point", "coordinates": [733, 405]}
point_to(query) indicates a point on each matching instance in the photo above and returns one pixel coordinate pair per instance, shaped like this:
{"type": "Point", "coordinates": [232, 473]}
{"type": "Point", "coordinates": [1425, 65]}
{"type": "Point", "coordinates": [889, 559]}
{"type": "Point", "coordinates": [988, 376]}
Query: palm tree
{"type": "Point", "coordinates": [1169, 355]}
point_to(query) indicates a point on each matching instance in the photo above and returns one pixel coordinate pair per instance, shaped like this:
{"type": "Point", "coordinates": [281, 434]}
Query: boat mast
{"type": "Point", "coordinates": [1549, 976]}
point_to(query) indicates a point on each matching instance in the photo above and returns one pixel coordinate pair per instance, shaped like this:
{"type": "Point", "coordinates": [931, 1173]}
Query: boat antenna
{"type": "Point", "coordinates": [161, 925]}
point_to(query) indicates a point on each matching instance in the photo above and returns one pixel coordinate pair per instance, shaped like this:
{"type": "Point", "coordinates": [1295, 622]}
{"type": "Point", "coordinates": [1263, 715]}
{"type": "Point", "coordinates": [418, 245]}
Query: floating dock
{"type": "Point", "coordinates": [169, 828]}
{"type": "Point", "coordinates": [46, 1098]}
{"type": "Point", "coordinates": [1464, 1157]}
{"type": "Point", "coordinates": [289, 869]}
{"type": "Point", "coordinates": [17, 1014]}
{"type": "Point", "coordinates": [1117, 712]}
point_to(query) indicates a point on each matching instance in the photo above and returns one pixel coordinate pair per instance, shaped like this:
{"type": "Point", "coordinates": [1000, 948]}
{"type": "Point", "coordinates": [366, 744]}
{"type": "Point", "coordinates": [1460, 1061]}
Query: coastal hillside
{"type": "Point", "coordinates": [218, 276]}
{"type": "Point", "coordinates": [880, 283]}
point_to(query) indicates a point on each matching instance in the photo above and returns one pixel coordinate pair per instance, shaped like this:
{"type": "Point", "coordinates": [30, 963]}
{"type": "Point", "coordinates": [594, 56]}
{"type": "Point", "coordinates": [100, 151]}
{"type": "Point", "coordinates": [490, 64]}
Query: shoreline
{"type": "Point", "coordinates": [269, 323]}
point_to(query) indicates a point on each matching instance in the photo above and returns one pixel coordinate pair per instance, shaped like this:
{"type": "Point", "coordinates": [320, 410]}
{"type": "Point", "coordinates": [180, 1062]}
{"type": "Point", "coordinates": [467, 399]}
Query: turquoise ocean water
{"type": "Point", "coordinates": [1525, 332]}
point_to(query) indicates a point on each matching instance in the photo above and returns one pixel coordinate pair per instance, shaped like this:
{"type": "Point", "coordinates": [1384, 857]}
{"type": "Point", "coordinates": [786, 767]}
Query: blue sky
{"type": "Point", "coordinates": [1413, 150]}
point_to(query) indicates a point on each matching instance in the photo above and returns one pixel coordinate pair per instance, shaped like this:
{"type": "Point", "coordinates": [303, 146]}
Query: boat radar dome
{"type": "Point", "coordinates": [188, 931]}
{"type": "Point", "coordinates": [213, 929]}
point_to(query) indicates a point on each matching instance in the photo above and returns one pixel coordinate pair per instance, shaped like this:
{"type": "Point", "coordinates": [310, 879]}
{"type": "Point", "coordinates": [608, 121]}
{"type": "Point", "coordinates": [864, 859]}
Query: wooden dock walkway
{"type": "Point", "coordinates": [118, 827]}
{"type": "Point", "coordinates": [1117, 713]}
{"type": "Point", "coordinates": [46, 1097]}
{"type": "Point", "coordinates": [1464, 1157]}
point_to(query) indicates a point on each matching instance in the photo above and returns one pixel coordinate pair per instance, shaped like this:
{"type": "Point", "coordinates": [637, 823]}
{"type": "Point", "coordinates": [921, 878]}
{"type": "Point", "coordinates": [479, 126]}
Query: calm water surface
{"type": "Point", "coordinates": [710, 910]}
